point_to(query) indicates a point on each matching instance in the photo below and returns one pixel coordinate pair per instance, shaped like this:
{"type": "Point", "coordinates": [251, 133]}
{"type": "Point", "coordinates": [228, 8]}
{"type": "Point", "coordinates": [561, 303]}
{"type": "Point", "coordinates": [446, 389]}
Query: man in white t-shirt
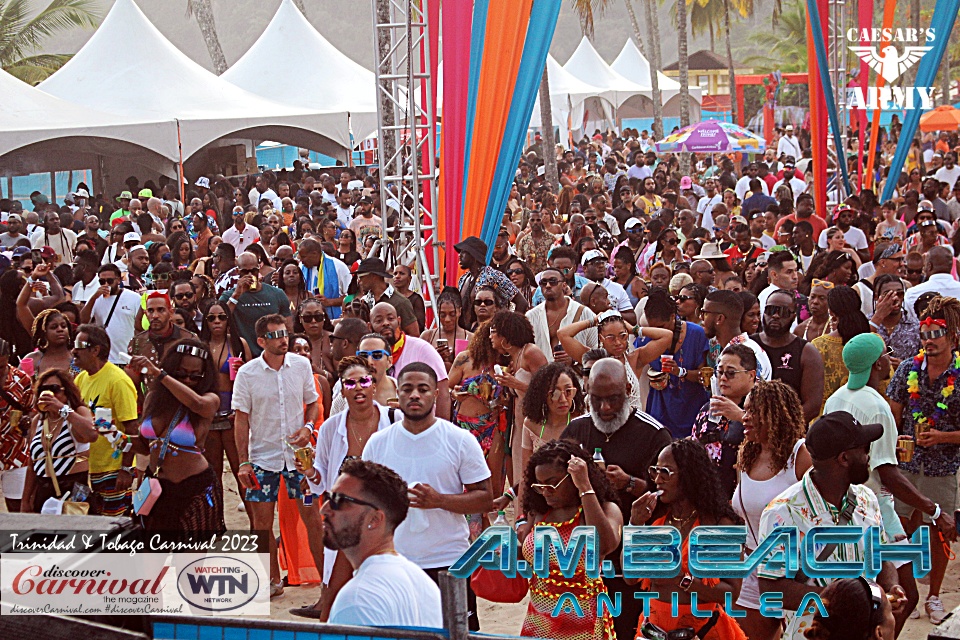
{"type": "Point", "coordinates": [950, 171]}
{"type": "Point", "coordinates": [115, 309]}
{"type": "Point", "coordinates": [263, 190]}
{"type": "Point", "coordinates": [366, 504]}
{"type": "Point", "coordinates": [797, 186]}
{"type": "Point", "coordinates": [743, 184]}
{"type": "Point", "coordinates": [853, 236]}
{"type": "Point", "coordinates": [706, 204]}
{"type": "Point", "coordinates": [451, 481]}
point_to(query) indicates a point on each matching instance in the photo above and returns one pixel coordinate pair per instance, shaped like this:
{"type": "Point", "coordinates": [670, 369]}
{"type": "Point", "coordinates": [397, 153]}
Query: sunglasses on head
{"type": "Point", "coordinates": [826, 284]}
{"type": "Point", "coordinates": [214, 317]}
{"type": "Point", "coordinates": [52, 388]}
{"type": "Point", "coordinates": [363, 382]}
{"type": "Point", "coordinates": [336, 500]}
{"type": "Point", "coordinates": [376, 354]}
{"type": "Point", "coordinates": [544, 488]}
{"type": "Point", "coordinates": [311, 317]}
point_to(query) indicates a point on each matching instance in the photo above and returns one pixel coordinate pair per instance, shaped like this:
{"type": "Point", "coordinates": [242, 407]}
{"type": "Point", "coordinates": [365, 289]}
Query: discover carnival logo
{"type": "Point", "coordinates": [890, 64]}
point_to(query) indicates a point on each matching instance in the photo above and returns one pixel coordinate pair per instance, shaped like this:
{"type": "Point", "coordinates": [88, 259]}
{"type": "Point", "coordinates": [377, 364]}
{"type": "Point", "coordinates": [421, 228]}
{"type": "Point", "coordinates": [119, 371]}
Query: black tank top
{"type": "Point", "coordinates": [785, 361]}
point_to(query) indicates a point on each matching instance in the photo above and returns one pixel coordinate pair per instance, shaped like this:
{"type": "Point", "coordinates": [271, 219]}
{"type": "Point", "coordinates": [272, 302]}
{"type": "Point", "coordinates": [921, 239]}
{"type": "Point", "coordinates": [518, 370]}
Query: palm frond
{"type": "Point", "coordinates": [35, 69]}
{"type": "Point", "coordinates": [585, 10]}
{"type": "Point", "coordinates": [21, 34]}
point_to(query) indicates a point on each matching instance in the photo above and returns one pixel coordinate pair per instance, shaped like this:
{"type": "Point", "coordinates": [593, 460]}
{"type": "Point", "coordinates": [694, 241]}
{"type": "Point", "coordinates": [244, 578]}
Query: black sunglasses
{"type": "Point", "coordinates": [514, 272]}
{"type": "Point", "coordinates": [182, 296]}
{"type": "Point", "coordinates": [193, 377]}
{"type": "Point", "coordinates": [213, 317]}
{"type": "Point", "coordinates": [336, 500]}
{"type": "Point", "coordinates": [774, 310]}
{"type": "Point", "coordinates": [52, 388]}
{"type": "Point", "coordinates": [484, 303]}
{"type": "Point", "coordinates": [311, 317]}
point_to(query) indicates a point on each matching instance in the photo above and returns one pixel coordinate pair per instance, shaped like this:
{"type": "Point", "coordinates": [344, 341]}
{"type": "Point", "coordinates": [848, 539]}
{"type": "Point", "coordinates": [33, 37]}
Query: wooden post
{"type": "Point", "coordinates": [453, 600]}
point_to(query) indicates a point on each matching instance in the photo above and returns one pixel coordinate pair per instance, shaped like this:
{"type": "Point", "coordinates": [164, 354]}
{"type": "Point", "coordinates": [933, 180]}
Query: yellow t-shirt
{"type": "Point", "coordinates": [109, 388]}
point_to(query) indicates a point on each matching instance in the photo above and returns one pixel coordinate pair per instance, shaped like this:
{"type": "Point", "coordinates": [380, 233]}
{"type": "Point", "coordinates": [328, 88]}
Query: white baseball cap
{"type": "Point", "coordinates": [131, 236]}
{"type": "Point", "coordinates": [593, 254]}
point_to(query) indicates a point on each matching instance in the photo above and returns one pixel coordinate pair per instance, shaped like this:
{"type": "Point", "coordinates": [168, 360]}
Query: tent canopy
{"type": "Point", "coordinates": [30, 116]}
{"type": "Point", "coordinates": [129, 68]}
{"type": "Point", "coordinates": [587, 65]}
{"type": "Point", "coordinates": [567, 95]}
{"type": "Point", "coordinates": [631, 64]}
{"type": "Point", "coordinates": [347, 87]}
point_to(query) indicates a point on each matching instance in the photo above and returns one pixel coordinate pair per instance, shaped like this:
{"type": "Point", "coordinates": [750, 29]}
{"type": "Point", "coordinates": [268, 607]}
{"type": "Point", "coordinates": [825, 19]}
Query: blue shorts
{"type": "Point", "coordinates": [269, 489]}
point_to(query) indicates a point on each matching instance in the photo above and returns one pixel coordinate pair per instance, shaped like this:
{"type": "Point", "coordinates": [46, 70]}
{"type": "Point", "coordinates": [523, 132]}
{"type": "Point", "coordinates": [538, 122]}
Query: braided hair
{"type": "Point", "coordinates": [777, 406]}
{"type": "Point", "coordinates": [38, 332]}
{"type": "Point", "coordinates": [947, 309]}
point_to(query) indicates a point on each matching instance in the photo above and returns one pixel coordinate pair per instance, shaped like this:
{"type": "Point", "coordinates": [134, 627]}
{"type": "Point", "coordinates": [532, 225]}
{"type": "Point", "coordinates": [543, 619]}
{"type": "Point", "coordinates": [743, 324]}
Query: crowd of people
{"type": "Point", "coordinates": [642, 347]}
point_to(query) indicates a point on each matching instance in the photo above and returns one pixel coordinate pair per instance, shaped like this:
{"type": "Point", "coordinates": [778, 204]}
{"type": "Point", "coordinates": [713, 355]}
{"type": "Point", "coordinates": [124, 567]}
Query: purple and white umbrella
{"type": "Point", "coordinates": [712, 136]}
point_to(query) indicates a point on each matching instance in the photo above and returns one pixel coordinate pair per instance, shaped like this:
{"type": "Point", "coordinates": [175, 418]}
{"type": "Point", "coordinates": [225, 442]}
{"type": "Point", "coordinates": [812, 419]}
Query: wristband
{"type": "Point", "coordinates": [682, 373]}
{"type": "Point", "coordinates": [587, 493]}
{"type": "Point", "coordinates": [936, 514]}
{"type": "Point", "coordinates": [233, 300]}
{"type": "Point", "coordinates": [509, 493]}
{"type": "Point", "coordinates": [65, 411]}
{"type": "Point", "coordinates": [308, 425]}
{"type": "Point", "coordinates": [131, 470]}
{"type": "Point", "coordinates": [243, 463]}
{"type": "Point", "coordinates": [163, 374]}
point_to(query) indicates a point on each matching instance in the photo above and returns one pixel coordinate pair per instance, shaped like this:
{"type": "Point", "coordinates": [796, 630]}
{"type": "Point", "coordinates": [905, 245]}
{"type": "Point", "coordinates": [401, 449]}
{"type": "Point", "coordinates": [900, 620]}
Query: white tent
{"type": "Point", "coordinates": [346, 87]}
{"type": "Point", "coordinates": [587, 65]}
{"type": "Point", "coordinates": [567, 96]}
{"type": "Point", "coordinates": [40, 133]}
{"type": "Point", "coordinates": [631, 64]}
{"type": "Point", "coordinates": [129, 68]}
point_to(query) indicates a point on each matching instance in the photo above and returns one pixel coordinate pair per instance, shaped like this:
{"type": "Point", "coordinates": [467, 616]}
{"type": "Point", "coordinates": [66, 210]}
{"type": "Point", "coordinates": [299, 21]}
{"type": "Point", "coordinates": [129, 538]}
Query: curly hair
{"type": "Point", "coordinates": [38, 332]}
{"type": "Point", "coordinates": [543, 382]}
{"type": "Point", "coordinates": [66, 381]}
{"type": "Point", "coordinates": [776, 406]}
{"type": "Point", "coordinates": [700, 481]}
{"type": "Point", "coordinates": [560, 452]}
{"type": "Point", "coordinates": [349, 362]}
{"type": "Point", "coordinates": [480, 348]}
{"type": "Point", "coordinates": [848, 603]}
{"type": "Point", "coordinates": [947, 309]}
{"type": "Point", "coordinates": [513, 327]}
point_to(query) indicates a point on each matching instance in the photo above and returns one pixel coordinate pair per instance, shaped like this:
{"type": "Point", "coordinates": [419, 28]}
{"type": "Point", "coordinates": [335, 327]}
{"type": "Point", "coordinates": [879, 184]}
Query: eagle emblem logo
{"type": "Point", "coordinates": [888, 63]}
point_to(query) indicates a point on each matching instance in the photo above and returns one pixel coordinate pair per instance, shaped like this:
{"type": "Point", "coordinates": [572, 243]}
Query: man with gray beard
{"type": "Point", "coordinates": [629, 441]}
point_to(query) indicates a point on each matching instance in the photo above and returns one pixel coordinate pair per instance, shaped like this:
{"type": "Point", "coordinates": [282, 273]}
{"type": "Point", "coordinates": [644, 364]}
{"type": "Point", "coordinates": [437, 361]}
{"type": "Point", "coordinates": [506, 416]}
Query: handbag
{"type": "Point", "coordinates": [492, 585]}
{"type": "Point", "coordinates": [149, 490]}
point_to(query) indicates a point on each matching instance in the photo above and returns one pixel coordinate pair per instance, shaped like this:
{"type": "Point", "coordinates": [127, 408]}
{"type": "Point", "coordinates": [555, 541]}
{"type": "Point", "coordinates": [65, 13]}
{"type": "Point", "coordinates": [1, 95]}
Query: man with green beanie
{"type": "Point", "coordinates": [866, 358]}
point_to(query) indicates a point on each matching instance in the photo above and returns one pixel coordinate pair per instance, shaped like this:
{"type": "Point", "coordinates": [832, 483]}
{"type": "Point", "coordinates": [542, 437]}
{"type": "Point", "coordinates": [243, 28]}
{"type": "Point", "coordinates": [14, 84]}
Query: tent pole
{"type": "Point", "coordinates": [180, 165]}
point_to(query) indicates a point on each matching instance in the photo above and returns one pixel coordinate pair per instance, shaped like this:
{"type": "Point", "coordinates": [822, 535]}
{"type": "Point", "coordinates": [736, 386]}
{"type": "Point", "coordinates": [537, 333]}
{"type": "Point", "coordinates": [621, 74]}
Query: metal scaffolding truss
{"type": "Point", "coordinates": [407, 139]}
{"type": "Point", "coordinates": [838, 55]}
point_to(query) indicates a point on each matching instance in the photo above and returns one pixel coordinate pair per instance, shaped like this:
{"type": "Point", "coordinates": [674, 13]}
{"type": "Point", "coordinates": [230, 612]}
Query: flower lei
{"type": "Point", "coordinates": [922, 422]}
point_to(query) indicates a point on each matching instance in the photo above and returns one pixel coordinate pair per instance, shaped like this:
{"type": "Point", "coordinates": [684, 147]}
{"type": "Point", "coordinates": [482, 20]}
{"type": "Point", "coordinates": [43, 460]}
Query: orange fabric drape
{"type": "Point", "coordinates": [889, 8]}
{"type": "Point", "coordinates": [502, 51]}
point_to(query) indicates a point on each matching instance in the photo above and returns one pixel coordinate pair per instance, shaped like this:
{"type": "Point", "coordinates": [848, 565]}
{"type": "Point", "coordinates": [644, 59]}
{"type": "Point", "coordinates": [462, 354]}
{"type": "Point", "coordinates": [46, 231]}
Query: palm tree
{"type": "Point", "coordinates": [21, 35]}
{"type": "Point", "coordinates": [202, 10]}
{"type": "Point", "coordinates": [732, 71]}
{"type": "Point", "coordinates": [656, 63]}
{"type": "Point", "coordinates": [584, 9]}
{"type": "Point", "coordinates": [785, 46]}
{"type": "Point", "coordinates": [636, 26]}
{"type": "Point", "coordinates": [683, 63]}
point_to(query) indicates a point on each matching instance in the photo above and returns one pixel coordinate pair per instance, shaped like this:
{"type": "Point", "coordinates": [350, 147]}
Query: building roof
{"type": "Point", "coordinates": [703, 60]}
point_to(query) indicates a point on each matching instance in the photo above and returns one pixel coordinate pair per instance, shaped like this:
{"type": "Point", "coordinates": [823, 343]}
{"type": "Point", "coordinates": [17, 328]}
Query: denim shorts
{"type": "Point", "coordinates": [269, 489]}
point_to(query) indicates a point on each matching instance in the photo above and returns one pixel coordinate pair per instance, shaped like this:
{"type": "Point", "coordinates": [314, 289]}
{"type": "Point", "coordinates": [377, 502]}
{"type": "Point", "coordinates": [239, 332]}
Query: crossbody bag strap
{"type": "Point", "coordinates": [112, 309]}
{"type": "Point", "coordinates": [165, 440]}
{"type": "Point", "coordinates": [743, 508]}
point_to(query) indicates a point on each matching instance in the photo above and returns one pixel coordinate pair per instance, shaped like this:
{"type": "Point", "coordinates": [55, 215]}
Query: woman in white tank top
{"type": "Point", "coordinates": [772, 458]}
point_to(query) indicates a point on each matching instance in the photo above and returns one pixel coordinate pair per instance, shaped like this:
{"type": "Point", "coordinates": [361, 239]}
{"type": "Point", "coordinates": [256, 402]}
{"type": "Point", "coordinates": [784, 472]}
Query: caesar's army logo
{"type": "Point", "coordinates": [879, 49]}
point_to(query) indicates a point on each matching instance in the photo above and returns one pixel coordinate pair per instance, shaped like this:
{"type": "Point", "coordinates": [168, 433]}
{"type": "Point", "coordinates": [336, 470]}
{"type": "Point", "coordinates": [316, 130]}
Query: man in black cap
{"type": "Point", "coordinates": [372, 275]}
{"type": "Point", "coordinates": [473, 258]}
{"type": "Point", "coordinates": [832, 493]}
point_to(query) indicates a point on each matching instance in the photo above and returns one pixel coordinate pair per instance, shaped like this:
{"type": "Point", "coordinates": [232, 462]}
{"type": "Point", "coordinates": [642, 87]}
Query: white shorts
{"type": "Point", "coordinates": [11, 481]}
